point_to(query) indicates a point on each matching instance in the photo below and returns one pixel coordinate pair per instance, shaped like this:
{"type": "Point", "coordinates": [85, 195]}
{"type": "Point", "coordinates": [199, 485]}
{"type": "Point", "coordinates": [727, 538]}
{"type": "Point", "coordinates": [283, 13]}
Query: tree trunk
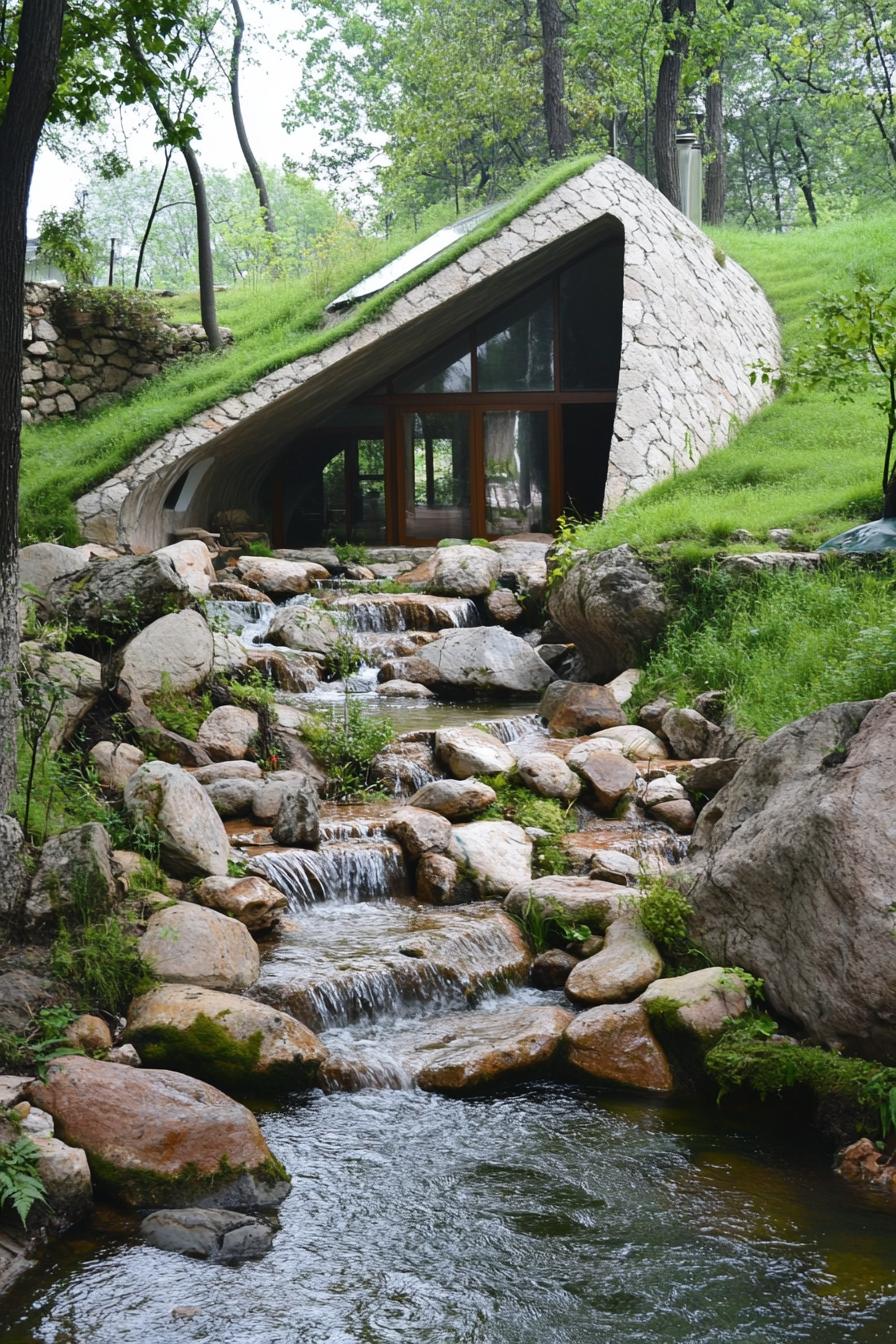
{"type": "Point", "coordinates": [678, 17]}
{"type": "Point", "coordinates": [715, 188]}
{"type": "Point", "coordinates": [804, 175]}
{"type": "Point", "coordinates": [553, 78]}
{"type": "Point", "coordinates": [152, 216]}
{"type": "Point", "coordinates": [28, 102]}
{"type": "Point", "coordinates": [255, 172]}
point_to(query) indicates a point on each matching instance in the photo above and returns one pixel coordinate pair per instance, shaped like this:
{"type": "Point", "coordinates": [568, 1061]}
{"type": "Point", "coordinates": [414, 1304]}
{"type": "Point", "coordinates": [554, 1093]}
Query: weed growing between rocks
{"type": "Point", "coordinates": [178, 711]}
{"type": "Point", "coordinates": [546, 926]}
{"type": "Point", "coordinates": [43, 1041]}
{"type": "Point", "coordinates": [345, 741]}
{"type": "Point", "coordinates": [99, 963]}
{"type": "Point", "coordinates": [514, 802]}
{"type": "Point", "coordinates": [664, 913]}
{"type": "Point", "coordinates": [20, 1183]}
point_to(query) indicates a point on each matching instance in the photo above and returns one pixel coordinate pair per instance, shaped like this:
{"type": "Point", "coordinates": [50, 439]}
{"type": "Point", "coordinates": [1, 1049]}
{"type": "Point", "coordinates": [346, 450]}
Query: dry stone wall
{"type": "Point", "coordinates": [69, 365]}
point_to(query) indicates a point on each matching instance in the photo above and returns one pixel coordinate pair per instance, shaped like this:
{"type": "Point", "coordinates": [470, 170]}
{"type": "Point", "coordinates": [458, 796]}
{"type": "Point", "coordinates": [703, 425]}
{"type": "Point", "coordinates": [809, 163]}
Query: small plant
{"type": "Point", "coordinates": [252, 690]}
{"type": "Point", "coordinates": [545, 925]}
{"type": "Point", "coordinates": [260, 548]}
{"type": "Point", "coordinates": [516, 803]}
{"type": "Point", "coordinates": [100, 963]}
{"type": "Point", "coordinates": [567, 545]}
{"type": "Point", "coordinates": [343, 658]}
{"type": "Point", "coordinates": [20, 1184]}
{"type": "Point", "coordinates": [345, 743]}
{"type": "Point", "coordinates": [65, 242]}
{"type": "Point", "coordinates": [42, 1042]}
{"type": "Point", "coordinates": [179, 712]}
{"type": "Point", "coordinates": [350, 552]}
{"type": "Point", "coordinates": [664, 913]}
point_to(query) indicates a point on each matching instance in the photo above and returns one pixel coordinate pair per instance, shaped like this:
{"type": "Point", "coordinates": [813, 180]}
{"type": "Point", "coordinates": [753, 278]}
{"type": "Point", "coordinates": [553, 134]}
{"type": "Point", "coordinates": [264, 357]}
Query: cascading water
{"type": "Point", "coordinates": [383, 613]}
{"type": "Point", "coordinates": [516, 726]}
{"type": "Point", "coordinates": [251, 621]}
{"type": "Point", "coordinates": [344, 869]}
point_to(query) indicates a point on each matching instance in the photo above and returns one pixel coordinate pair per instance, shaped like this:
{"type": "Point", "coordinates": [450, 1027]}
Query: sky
{"type": "Point", "coordinates": [267, 86]}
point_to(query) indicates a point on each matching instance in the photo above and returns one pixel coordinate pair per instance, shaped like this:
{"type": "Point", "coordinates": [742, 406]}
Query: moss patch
{"type": "Point", "coordinates": [206, 1049]}
{"type": "Point", "coordinates": [141, 1188]}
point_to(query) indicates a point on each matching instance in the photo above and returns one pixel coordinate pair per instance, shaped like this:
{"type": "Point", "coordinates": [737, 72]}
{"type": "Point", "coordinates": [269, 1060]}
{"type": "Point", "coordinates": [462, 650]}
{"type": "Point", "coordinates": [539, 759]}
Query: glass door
{"type": "Point", "coordinates": [516, 469]}
{"type": "Point", "coordinates": [437, 477]}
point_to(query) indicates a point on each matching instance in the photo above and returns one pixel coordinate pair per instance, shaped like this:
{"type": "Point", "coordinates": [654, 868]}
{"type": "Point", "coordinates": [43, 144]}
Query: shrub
{"type": "Point", "coordinates": [178, 711]}
{"type": "Point", "coordinates": [545, 925]}
{"type": "Point", "coordinates": [514, 802]}
{"type": "Point", "coordinates": [345, 742]}
{"type": "Point", "coordinates": [343, 658]}
{"type": "Point", "coordinates": [42, 1042]}
{"type": "Point", "coordinates": [664, 913]}
{"type": "Point", "coordinates": [100, 964]}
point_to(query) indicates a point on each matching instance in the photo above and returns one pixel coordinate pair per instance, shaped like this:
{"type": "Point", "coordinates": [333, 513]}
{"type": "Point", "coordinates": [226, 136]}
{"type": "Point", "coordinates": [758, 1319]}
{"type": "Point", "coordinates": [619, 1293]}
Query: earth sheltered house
{"type": "Point", "coordinates": [570, 358]}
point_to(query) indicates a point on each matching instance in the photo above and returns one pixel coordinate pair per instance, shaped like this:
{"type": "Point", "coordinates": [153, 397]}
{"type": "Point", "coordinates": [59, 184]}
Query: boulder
{"type": "Point", "coordinates": [74, 876]}
{"type": "Point", "coordinates": [469, 1050]}
{"type": "Point", "coordinates": [270, 792]}
{"type": "Point", "coordinates": [550, 970]}
{"type": "Point", "coordinates": [678, 813]}
{"type": "Point", "coordinates": [71, 685]}
{"type": "Point", "coordinates": [187, 944]}
{"type": "Point", "coordinates": [404, 766]}
{"type": "Point", "coordinates": [701, 1003]}
{"type": "Point", "coordinates": [689, 734]}
{"type": "Point", "coordinates": [410, 669]}
{"type": "Point", "coordinates": [419, 831]}
{"type": "Point", "coordinates": [576, 900]}
{"type": "Point", "coordinates": [661, 788]}
{"type": "Point", "coordinates": [231, 590]}
{"type": "Point", "coordinates": [791, 874]}
{"type": "Point", "coordinates": [191, 834]}
{"type": "Point", "coordinates": [228, 733]}
{"type": "Point", "coordinates": [651, 715]}
{"type": "Point", "coordinates": [222, 1038]}
{"type": "Point", "coordinates": [495, 855]}
{"type": "Point", "coordinates": [43, 562]}
{"type": "Point", "coordinates": [232, 797]}
{"type": "Point", "coordinates": [213, 774]}
{"type": "Point", "coordinates": [280, 578]}
{"type": "Point", "coordinates": [456, 799]}
{"type": "Point", "coordinates": [582, 709]}
{"type": "Point", "coordinates": [90, 1034]}
{"type": "Point", "coordinates": [613, 865]}
{"type": "Point", "coordinates": [524, 564]}
{"type": "Point", "coordinates": [118, 597]}
{"type": "Point", "coordinates": [486, 658]}
{"type": "Point", "coordinates": [411, 690]}
{"type": "Point", "coordinates": [705, 777]}
{"type": "Point", "coordinates": [298, 816]}
{"type": "Point", "coordinates": [623, 686]}
{"type": "Point", "coordinates": [613, 607]}
{"type": "Point", "coordinates": [21, 995]}
{"type": "Point", "coordinates": [193, 562]}
{"type": "Point", "coordinates": [251, 900]}
{"type": "Point", "coordinates": [609, 776]}
{"type": "Point", "coordinates": [471, 751]}
{"type": "Point", "coordinates": [503, 606]}
{"type": "Point", "coordinates": [175, 653]}
{"type": "Point", "coordinates": [437, 881]}
{"type": "Point", "coordinates": [627, 964]}
{"type": "Point", "coordinates": [114, 763]}
{"type": "Point", "coordinates": [548, 776]}
{"type": "Point", "coordinates": [639, 744]}
{"type": "Point", "coordinates": [208, 1234]}
{"type": "Point", "coordinates": [68, 1190]}
{"type": "Point", "coordinates": [306, 629]}
{"type": "Point", "coordinates": [231, 657]}
{"type": "Point", "coordinates": [615, 1044]}
{"type": "Point", "coordinates": [461, 571]}
{"type": "Point", "coordinates": [159, 1139]}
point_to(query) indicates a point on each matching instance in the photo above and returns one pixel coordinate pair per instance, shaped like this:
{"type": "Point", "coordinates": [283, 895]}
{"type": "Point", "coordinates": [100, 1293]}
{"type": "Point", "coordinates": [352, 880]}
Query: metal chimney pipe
{"type": "Point", "coordinates": [690, 175]}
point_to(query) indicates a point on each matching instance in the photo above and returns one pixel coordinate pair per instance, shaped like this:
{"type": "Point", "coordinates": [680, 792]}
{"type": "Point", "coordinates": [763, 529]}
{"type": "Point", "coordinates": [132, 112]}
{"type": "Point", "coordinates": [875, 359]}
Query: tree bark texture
{"type": "Point", "coordinates": [678, 17]}
{"type": "Point", "coordinates": [27, 106]}
{"type": "Point", "coordinates": [556, 118]}
{"type": "Point", "coordinates": [252, 164]}
{"type": "Point", "coordinates": [715, 181]}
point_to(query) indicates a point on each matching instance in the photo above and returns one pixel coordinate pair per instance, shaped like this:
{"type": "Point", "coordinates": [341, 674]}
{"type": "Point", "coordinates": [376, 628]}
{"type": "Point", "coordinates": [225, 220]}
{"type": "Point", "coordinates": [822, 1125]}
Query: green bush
{"type": "Point", "coordinates": [179, 711]}
{"type": "Point", "coordinates": [514, 802]}
{"type": "Point", "coordinates": [664, 913]}
{"type": "Point", "coordinates": [545, 925]}
{"type": "Point", "coordinates": [39, 1044]}
{"type": "Point", "coordinates": [100, 965]}
{"type": "Point", "coordinates": [345, 741]}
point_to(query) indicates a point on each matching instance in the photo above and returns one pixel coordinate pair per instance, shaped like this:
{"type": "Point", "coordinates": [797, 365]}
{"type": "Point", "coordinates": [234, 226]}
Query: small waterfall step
{"type": "Point", "coordinates": [336, 964]}
{"type": "Point", "coordinates": [346, 868]}
{"type": "Point", "coordinates": [396, 612]}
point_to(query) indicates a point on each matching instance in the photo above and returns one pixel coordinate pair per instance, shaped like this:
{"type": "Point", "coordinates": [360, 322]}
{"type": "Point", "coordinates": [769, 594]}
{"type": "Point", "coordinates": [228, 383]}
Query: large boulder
{"type": "Point", "coordinates": [158, 1139]}
{"type": "Point", "coordinates": [175, 653]}
{"type": "Point", "coordinates": [495, 855]}
{"type": "Point", "coordinates": [306, 629]}
{"type": "Point", "coordinates": [469, 1050]}
{"type": "Point", "coordinates": [791, 873]}
{"type": "Point", "coordinates": [419, 831]}
{"type": "Point", "coordinates": [298, 816]}
{"type": "Point", "coordinates": [471, 751]}
{"type": "Point", "coordinates": [187, 944]}
{"type": "Point", "coordinates": [251, 900]}
{"type": "Point", "coordinates": [228, 732]}
{"type": "Point", "coordinates": [280, 578]}
{"type": "Point", "coordinates": [191, 834]}
{"type": "Point", "coordinates": [486, 658]}
{"type": "Point", "coordinates": [615, 1044]}
{"type": "Point", "coordinates": [609, 776]}
{"type": "Point", "coordinates": [43, 562]}
{"type": "Point", "coordinates": [463, 571]}
{"type": "Point", "coordinates": [699, 1004]}
{"type": "Point", "coordinates": [548, 776]}
{"type": "Point", "coordinates": [583, 708]}
{"type": "Point", "coordinates": [115, 762]}
{"type": "Point", "coordinates": [613, 607]}
{"type": "Point", "coordinates": [69, 684]}
{"type": "Point", "coordinates": [627, 964]}
{"type": "Point", "coordinates": [193, 562]}
{"type": "Point", "coordinates": [74, 876]}
{"type": "Point", "coordinates": [222, 1038]}
{"type": "Point", "coordinates": [456, 799]}
{"type": "Point", "coordinates": [575, 900]}
{"type": "Point", "coordinates": [690, 735]}
{"type": "Point", "coordinates": [118, 597]}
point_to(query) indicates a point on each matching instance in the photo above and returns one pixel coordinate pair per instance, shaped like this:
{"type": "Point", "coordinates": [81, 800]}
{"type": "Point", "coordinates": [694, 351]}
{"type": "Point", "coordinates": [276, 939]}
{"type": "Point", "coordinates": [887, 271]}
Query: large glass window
{"type": "Point", "coordinates": [445, 370]}
{"type": "Point", "coordinates": [590, 329]}
{"type": "Point", "coordinates": [515, 351]}
{"type": "Point", "coordinates": [516, 472]}
{"type": "Point", "coordinates": [368, 513]}
{"type": "Point", "coordinates": [437, 474]}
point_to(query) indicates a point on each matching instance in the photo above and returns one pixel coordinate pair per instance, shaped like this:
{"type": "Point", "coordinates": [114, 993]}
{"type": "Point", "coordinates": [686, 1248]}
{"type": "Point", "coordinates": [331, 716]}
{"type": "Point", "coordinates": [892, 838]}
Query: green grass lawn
{"type": "Point", "coordinates": [808, 461]}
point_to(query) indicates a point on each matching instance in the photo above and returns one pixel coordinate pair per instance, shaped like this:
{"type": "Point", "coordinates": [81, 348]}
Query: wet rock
{"type": "Point", "coordinates": [65, 1175]}
{"type": "Point", "coordinates": [689, 734]}
{"type": "Point", "coordinates": [280, 578]}
{"type": "Point", "coordinates": [551, 969]}
{"type": "Point", "coordinates": [486, 658]}
{"type": "Point", "coordinates": [627, 964]}
{"type": "Point", "coordinates": [398, 689]}
{"type": "Point", "coordinates": [212, 774]}
{"type": "Point", "coordinates": [862, 1162]}
{"type": "Point", "coordinates": [74, 873]}
{"type": "Point", "coordinates": [114, 596]}
{"type": "Point", "coordinates": [584, 708]}
{"type": "Point", "coordinates": [232, 797]}
{"type": "Point", "coordinates": [576, 900]}
{"type": "Point", "coordinates": [404, 766]}
{"type": "Point", "coordinates": [700, 1003]}
{"type": "Point", "coordinates": [43, 562]}
{"type": "Point", "coordinates": [495, 855]}
{"type": "Point", "coordinates": [305, 629]}
{"type": "Point", "coordinates": [298, 816]}
{"type": "Point", "coordinates": [613, 865]}
{"type": "Point", "coordinates": [90, 1034]}
{"type": "Point", "coordinates": [193, 562]}
{"type": "Point", "coordinates": [115, 762]}
{"type": "Point", "coordinates": [460, 571]}
{"type": "Point", "coordinates": [191, 834]}
{"type": "Point", "coordinates": [437, 880]}
{"type": "Point", "coordinates": [590, 947]}
{"type": "Point", "coordinates": [72, 686]}
{"type": "Point", "coordinates": [228, 733]}
{"type": "Point", "coordinates": [158, 1139]}
{"type": "Point", "coordinates": [470, 751]}
{"type": "Point", "coordinates": [419, 831]}
{"type": "Point", "coordinates": [175, 653]}
{"type": "Point", "coordinates": [615, 1043]}
{"type": "Point", "coordinates": [809, 803]}
{"type": "Point", "coordinates": [504, 607]}
{"type": "Point", "coordinates": [222, 1038]}
{"type": "Point", "coordinates": [455, 799]}
{"type": "Point", "coordinates": [270, 794]}
{"type": "Point", "coordinates": [190, 945]}
{"type": "Point", "coordinates": [548, 776]}
{"type": "Point", "coordinates": [678, 813]}
{"type": "Point", "coordinates": [706, 777]}
{"type": "Point", "coordinates": [231, 590]}
{"type": "Point", "coordinates": [410, 668]}
{"type": "Point", "coordinates": [637, 743]}
{"type": "Point", "coordinates": [470, 1050]}
{"type": "Point", "coordinates": [609, 776]}
{"type": "Point", "coordinates": [613, 607]}
{"type": "Point", "coordinates": [209, 1234]}
{"type": "Point", "coordinates": [251, 900]}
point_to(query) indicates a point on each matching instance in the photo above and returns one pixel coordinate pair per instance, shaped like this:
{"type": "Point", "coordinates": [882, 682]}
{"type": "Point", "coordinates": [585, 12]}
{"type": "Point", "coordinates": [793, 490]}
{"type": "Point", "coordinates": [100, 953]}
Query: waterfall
{"type": "Point", "coordinates": [251, 621]}
{"type": "Point", "coordinates": [382, 613]}
{"type": "Point", "coordinates": [519, 725]}
{"type": "Point", "coordinates": [341, 870]}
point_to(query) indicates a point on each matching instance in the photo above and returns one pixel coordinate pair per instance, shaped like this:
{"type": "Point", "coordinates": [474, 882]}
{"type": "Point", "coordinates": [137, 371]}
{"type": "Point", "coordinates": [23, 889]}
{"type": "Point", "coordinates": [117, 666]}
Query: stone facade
{"type": "Point", "coordinates": [68, 366]}
{"type": "Point", "coordinates": [694, 325]}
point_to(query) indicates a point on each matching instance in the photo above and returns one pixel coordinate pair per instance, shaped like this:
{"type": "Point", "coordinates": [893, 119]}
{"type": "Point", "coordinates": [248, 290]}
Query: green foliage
{"type": "Point", "coordinates": [350, 552]}
{"type": "Point", "coordinates": [345, 742]}
{"type": "Point", "coordinates": [343, 658]}
{"type": "Point", "coordinates": [179, 711]}
{"type": "Point", "coordinates": [514, 802]}
{"type": "Point", "coordinates": [664, 912]}
{"type": "Point", "coordinates": [65, 242]}
{"type": "Point", "coordinates": [120, 309]}
{"type": "Point", "coordinates": [99, 963]}
{"type": "Point", "coordinates": [42, 1041]}
{"type": "Point", "coordinates": [250, 689]}
{"type": "Point", "coordinates": [259, 547]}
{"type": "Point", "coordinates": [545, 925]}
{"type": "Point", "coordinates": [780, 645]}
{"type": "Point", "coordinates": [20, 1184]}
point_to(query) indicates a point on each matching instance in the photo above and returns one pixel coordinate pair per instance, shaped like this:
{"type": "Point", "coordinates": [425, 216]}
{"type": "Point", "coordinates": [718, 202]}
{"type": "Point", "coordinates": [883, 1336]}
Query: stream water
{"type": "Point", "coordinates": [546, 1213]}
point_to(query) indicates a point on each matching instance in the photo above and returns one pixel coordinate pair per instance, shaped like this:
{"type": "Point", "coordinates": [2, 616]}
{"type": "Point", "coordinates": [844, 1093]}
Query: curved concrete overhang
{"type": "Point", "coordinates": [694, 325]}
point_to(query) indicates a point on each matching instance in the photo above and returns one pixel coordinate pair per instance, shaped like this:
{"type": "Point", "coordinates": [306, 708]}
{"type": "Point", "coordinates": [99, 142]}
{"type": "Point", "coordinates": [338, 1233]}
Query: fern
{"type": "Point", "coordinates": [20, 1184]}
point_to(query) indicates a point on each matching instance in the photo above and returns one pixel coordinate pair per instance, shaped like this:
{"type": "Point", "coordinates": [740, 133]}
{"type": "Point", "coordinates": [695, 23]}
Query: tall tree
{"type": "Point", "coordinates": [553, 78]}
{"type": "Point", "coordinates": [264, 201]}
{"type": "Point", "coordinates": [678, 20]}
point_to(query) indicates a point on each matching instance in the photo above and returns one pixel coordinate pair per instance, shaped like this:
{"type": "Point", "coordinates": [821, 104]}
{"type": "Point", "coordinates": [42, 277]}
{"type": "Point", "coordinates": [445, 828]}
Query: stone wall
{"type": "Point", "coordinates": [69, 365]}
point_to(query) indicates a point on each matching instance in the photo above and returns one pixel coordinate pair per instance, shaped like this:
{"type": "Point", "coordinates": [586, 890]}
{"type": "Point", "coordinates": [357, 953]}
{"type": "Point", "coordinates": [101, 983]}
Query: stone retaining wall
{"type": "Point", "coordinates": [68, 366]}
